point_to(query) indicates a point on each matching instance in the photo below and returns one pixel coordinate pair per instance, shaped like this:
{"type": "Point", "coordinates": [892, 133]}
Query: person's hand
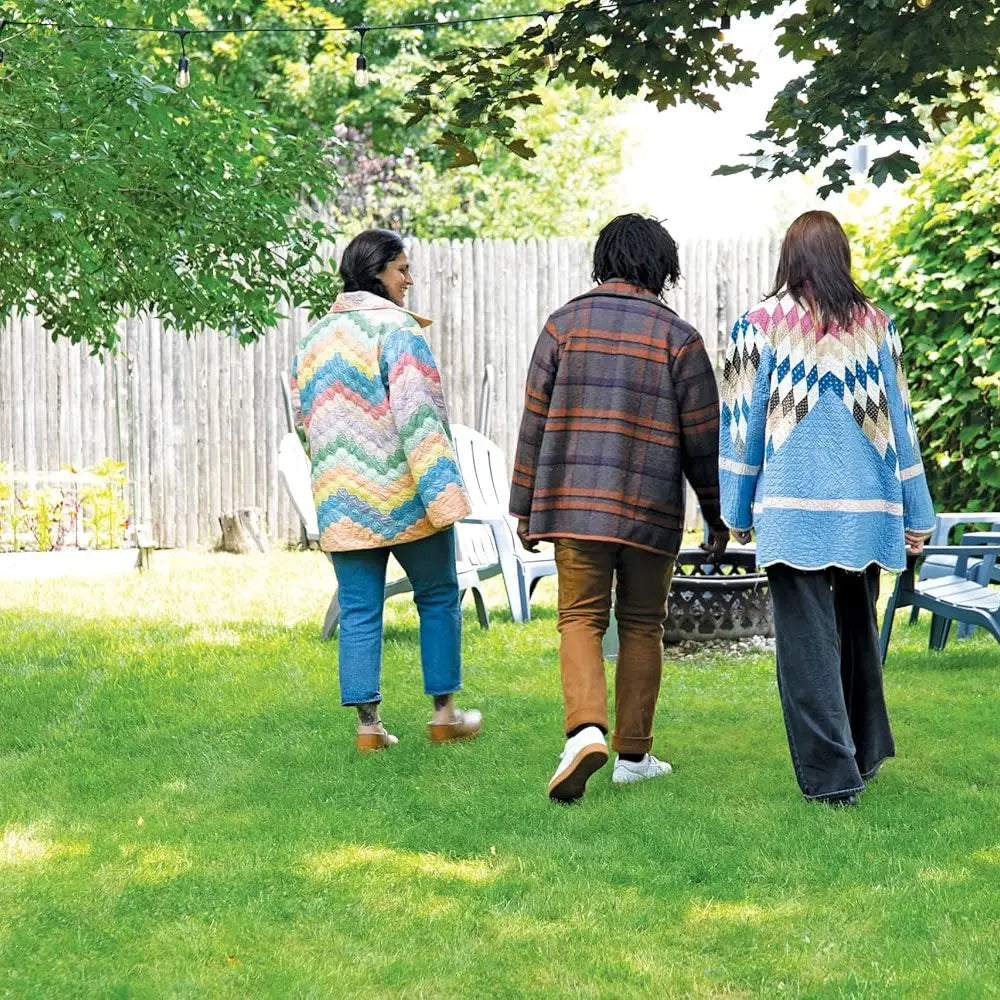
{"type": "Point", "coordinates": [915, 542]}
{"type": "Point", "coordinates": [718, 539]}
{"type": "Point", "coordinates": [522, 533]}
{"type": "Point", "coordinates": [740, 537]}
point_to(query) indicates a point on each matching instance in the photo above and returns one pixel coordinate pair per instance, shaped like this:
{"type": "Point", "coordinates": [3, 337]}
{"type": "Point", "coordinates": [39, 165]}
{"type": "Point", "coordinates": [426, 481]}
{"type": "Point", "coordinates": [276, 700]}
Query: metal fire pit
{"type": "Point", "coordinates": [728, 600]}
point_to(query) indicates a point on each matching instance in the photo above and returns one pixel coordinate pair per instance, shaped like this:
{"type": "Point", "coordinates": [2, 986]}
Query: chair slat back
{"type": "Point", "coordinates": [296, 475]}
{"type": "Point", "coordinates": [484, 469]}
{"type": "Point", "coordinates": [474, 544]}
{"type": "Point", "coordinates": [286, 397]}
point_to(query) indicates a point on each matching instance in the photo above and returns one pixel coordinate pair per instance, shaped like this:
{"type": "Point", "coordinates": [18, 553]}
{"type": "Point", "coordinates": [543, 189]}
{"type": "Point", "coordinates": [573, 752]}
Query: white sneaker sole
{"type": "Point", "coordinates": [570, 783]}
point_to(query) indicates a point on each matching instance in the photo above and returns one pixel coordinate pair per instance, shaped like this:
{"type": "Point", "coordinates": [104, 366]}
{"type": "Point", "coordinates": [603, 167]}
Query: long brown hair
{"type": "Point", "coordinates": [815, 269]}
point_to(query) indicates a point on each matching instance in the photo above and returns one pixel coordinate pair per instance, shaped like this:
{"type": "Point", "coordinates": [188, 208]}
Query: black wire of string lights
{"type": "Point", "coordinates": [183, 78]}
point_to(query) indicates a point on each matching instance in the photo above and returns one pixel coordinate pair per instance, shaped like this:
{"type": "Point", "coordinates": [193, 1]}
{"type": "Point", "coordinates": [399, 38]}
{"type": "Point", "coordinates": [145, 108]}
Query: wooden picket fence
{"type": "Point", "coordinates": [199, 419]}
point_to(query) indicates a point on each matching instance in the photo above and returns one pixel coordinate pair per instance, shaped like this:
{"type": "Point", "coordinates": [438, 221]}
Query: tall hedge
{"type": "Point", "coordinates": [936, 267]}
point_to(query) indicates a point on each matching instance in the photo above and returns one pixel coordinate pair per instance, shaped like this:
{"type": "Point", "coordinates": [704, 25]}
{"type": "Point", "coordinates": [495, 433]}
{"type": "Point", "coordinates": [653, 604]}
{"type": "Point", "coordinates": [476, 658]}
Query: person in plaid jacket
{"type": "Point", "coordinates": [620, 405]}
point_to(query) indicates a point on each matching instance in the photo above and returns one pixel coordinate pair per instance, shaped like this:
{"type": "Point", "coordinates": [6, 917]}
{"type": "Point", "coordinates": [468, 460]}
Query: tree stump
{"type": "Point", "coordinates": [243, 531]}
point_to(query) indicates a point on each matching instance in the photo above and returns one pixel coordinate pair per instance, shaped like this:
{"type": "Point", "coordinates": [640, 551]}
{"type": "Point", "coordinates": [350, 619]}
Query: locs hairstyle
{"type": "Point", "coordinates": [815, 268]}
{"type": "Point", "coordinates": [366, 257]}
{"type": "Point", "coordinates": [638, 250]}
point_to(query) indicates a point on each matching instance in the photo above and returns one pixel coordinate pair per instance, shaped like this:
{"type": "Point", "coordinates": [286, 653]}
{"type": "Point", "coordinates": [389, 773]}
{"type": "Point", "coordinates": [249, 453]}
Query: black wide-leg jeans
{"type": "Point", "coordinates": [830, 676]}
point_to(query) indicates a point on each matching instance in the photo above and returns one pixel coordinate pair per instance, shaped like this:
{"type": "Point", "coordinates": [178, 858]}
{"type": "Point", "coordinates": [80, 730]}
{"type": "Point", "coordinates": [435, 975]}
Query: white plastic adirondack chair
{"type": "Point", "coordinates": [295, 474]}
{"type": "Point", "coordinates": [485, 473]}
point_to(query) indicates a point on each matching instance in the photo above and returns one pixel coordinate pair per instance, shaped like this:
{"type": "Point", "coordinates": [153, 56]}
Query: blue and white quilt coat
{"type": "Point", "coordinates": [818, 450]}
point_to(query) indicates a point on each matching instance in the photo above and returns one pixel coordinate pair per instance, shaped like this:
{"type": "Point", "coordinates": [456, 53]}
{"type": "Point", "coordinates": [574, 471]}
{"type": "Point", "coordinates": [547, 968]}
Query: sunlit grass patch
{"type": "Point", "coordinates": [29, 846]}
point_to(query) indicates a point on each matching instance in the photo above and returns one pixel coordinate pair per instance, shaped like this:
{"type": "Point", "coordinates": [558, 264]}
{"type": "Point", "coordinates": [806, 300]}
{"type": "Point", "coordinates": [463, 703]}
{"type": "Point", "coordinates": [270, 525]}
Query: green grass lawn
{"type": "Point", "coordinates": [182, 814]}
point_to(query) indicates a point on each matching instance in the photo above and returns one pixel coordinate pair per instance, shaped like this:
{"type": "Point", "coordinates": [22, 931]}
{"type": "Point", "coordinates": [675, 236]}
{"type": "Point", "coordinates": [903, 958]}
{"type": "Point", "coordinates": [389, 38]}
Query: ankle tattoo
{"type": "Point", "coordinates": [440, 700]}
{"type": "Point", "coordinates": [368, 713]}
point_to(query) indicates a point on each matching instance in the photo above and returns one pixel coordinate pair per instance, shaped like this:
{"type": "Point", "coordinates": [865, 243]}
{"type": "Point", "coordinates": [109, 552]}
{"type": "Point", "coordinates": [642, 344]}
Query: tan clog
{"type": "Point", "coordinates": [465, 726]}
{"type": "Point", "coordinates": [372, 738]}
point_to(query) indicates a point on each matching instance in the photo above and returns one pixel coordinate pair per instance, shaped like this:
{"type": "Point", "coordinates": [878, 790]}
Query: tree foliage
{"type": "Point", "coordinates": [121, 193]}
{"type": "Point", "coordinates": [566, 190]}
{"type": "Point", "coordinates": [870, 69]}
{"type": "Point", "coordinates": [392, 170]}
{"type": "Point", "coordinates": [938, 267]}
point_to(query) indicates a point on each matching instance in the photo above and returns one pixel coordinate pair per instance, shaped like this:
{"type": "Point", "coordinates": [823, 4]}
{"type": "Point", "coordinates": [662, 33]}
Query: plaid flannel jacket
{"type": "Point", "coordinates": [620, 404]}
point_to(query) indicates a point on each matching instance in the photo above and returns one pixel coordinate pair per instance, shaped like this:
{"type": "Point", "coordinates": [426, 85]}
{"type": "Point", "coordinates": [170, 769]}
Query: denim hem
{"type": "Point", "coordinates": [361, 701]}
{"type": "Point", "coordinates": [870, 773]}
{"type": "Point", "coordinates": [833, 795]}
{"type": "Point", "coordinates": [441, 694]}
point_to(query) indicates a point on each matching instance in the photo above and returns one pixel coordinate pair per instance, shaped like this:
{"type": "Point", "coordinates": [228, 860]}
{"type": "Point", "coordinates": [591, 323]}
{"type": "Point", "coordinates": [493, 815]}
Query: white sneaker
{"type": "Point", "coordinates": [627, 771]}
{"type": "Point", "coordinates": [583, 754]}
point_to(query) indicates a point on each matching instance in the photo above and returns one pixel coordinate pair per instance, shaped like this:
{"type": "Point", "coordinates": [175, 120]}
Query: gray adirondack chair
{"type": "Point", "coordinates": [935, 566]}
{"type": "Point", "coordinates": [952, 597]}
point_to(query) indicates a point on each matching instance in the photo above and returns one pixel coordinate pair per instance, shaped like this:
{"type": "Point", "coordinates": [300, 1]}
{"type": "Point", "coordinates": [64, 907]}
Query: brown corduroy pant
{"type": "Point", "coordinates": [586, 570]}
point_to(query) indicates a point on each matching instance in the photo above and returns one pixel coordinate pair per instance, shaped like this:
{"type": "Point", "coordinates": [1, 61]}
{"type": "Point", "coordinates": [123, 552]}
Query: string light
{"type": "Point", "coordinates": [361, 77]}
{"type": "Point", "coordinates": [183, 79]}
{"type": "Point", "coordinates": [726, 22]}
{"type": "Point", "coordinates": [3, 24]}
{"type": "Point", "coordinates": [549, 46]}
{"type": "Point", "coordinates": [923, 4]}
{"type": "Point", "coordinates": [361, 66]}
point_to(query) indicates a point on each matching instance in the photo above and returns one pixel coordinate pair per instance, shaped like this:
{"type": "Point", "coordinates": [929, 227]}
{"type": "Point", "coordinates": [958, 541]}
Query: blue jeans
{"type": "Point", "coordinates": [430, 565]}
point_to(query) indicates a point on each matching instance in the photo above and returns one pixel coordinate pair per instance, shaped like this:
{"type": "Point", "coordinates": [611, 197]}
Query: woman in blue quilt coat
{"type": "Point", "coordinates": [819, 455]}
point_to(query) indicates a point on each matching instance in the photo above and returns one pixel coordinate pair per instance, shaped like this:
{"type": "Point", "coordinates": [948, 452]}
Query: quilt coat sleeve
{"type": "Point", "coordinates": [416, 402]}
{"type": "Point", "coordinates": [918, 510]}
{"type": "Point", "coordinates": [742, 429]}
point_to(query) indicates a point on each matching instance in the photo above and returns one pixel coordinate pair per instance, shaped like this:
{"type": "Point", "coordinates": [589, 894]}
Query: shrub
{"type": "Point", "coordinates": [105, 510]}
{"type": "Point", "coordinates": [936, 268]}
{"type": "Point", "coordinates": [72, 509]}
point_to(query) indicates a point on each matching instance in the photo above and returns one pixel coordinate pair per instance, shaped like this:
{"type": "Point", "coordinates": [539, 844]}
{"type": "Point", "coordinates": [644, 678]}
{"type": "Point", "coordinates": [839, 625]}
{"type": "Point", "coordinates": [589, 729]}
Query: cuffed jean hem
{"type": "Point", "coordinates": [353, 703]}
{"type": "Point", "coordinates": [633, 744]}
{"type": "Point", "coordinates": [442, 694]}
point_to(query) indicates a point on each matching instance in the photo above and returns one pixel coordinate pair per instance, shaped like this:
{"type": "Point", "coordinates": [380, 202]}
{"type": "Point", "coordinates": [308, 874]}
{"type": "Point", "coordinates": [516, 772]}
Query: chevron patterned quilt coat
{"type": "Point", "coordinates": [366, 394]}
{"type": "Point", "coordinates": [818, 450]}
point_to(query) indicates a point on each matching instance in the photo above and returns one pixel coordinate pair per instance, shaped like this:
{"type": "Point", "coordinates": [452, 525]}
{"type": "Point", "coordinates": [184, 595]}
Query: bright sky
{"type": "Point", "coordinates": [670, 155]}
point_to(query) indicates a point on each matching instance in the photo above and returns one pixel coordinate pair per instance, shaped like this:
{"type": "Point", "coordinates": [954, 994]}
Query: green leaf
{"type": "Point", "coordinates": [519, 147]}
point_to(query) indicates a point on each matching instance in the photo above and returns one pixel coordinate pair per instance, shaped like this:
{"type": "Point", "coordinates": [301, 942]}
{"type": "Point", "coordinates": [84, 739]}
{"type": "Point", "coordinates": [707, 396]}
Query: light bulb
{"type": "Point", "coordinates": [923, 4]}
{"type": "Point", "coordinates": [361, 72]}
{"type": "Point", "coordinates": [183, 80]}
{"type": "Point", "coordinates": [550, 54]}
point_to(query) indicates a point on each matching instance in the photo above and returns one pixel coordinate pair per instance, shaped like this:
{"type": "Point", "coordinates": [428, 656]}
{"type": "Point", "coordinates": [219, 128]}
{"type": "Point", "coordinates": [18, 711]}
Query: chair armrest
{"type": "Point", "coordinates": [963, 553]}
{"type": "Point", "coordinates": [981, 538]}
{"type": "Point", "coordinates": [945, 522]}
{"type": "Point", "coordinates": [481, 518]}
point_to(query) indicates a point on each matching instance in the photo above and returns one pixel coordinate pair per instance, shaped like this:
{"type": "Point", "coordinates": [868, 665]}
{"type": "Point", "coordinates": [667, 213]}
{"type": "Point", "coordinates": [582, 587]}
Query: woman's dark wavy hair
{"type": "Point", "coordinates": [815, 268]}
{"type": "Point", "coordinates": [638, 250]}
{"type": "Point", "coordinates": [366, 257]}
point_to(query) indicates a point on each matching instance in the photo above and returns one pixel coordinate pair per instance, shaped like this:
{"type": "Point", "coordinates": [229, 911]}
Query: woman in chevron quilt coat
{"type": "Point", "coordinates": [366, 393]}
{"type": "Point", "coordinates": [818, 453]}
